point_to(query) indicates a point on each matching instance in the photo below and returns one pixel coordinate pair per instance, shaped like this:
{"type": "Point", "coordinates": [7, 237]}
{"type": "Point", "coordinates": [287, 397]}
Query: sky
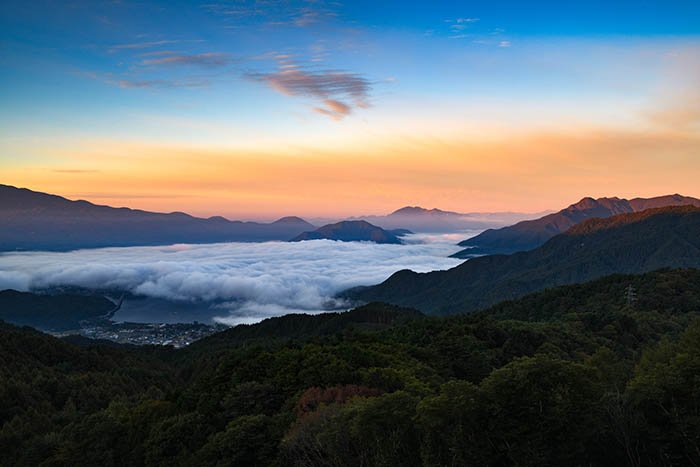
{"type": "Point", "coordinates": [259, 109]}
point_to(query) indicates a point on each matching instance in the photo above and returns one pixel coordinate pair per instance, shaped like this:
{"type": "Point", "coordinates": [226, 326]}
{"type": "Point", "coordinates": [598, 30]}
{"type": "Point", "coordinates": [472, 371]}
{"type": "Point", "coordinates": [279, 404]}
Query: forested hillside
{"type": "Point", "coordinates": [51, 312]}
{"type": "Point", "coordinates": [629, 243]}
{"type": "Point", "coordinates": [598, 374]}
{"type": "Point", "coordinates": [530, 234]}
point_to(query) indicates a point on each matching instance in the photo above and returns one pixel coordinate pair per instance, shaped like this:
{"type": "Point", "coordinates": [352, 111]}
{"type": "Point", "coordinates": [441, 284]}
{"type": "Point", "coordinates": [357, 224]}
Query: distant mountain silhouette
{"type": "Point", "coordinates": [31, 220]}
{"type": "Point", "coordinates": [352, 231]}
{"type": "Point", "coordinates": [419, 211]}
{"type": "Point", "coordinates": [627, 243]}
{"type": "Point", "coordinates": [419, 219]}
{"type": "Point", "coordinates": [530, 234]}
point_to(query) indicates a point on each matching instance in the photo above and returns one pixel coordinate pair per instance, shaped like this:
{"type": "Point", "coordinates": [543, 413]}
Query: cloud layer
{"type": "Point", "coordinates": [246, 282]}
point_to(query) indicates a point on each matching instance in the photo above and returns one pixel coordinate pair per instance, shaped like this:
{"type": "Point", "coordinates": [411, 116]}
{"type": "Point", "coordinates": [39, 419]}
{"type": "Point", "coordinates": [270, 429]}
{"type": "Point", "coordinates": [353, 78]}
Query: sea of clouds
{"type": "Point", "coordinates": [239, 282]}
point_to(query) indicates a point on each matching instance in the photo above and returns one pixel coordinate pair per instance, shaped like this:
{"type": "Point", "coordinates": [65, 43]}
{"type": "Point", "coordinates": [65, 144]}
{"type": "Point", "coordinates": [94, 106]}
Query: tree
{"type": "Point", "coordinates": [540, 411]}
{"type": "Point", "coordinates": [451, 426]}
{"type": "Point", "coordinates": [666, 391]}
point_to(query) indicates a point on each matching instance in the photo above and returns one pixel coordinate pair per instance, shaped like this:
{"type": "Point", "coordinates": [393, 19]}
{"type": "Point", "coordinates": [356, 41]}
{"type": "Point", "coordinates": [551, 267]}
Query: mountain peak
{"type": "Point", "coordinates": [527, 235]}
{"type": "Point", "coordinates": [43, 221]}
{"type": "Point", "coordinates": [590, 203]}
{"type": "Point", "coordinates": [409, 210]}
{"type": "Point", "coordinates": [290, 220]}
{"type": "Point", "coordinates": [420, 211]}
{"type": "Point", "coordinates": [603, 223]}
{"type": "Point", "coordinates": [627, 243]}
{"type": "Point", "coordinates": [350, 231]}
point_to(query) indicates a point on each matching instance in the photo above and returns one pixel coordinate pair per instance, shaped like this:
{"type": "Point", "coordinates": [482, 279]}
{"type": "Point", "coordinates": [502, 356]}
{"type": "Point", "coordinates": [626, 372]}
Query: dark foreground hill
{"type": "Point", "coordinates": [353, 231]}
{"type": "Point", "coordinates": [530, 234]}
{"type": "Point", "coordinates": [576, 376]}
{"type": "Point", "coordinates": [370, 317]}
{"type": "Point", "coordinates": [38, 221]}
{"type": "Point", "coordinates": [628, 243]}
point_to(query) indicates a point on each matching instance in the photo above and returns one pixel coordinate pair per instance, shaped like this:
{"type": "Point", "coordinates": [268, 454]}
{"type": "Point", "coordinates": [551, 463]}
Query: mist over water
{"type": "Point", "coordinates": [232, 283]}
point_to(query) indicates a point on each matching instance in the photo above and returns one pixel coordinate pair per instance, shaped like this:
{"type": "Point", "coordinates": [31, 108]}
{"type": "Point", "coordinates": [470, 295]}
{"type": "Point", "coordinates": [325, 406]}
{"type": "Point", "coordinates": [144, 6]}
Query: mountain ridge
{"type": "Point", "coordinates": [422, 220]}
{"type": "Point", "coordinates": [352, 231]}
{"type": "Point", "coordinates": [627, 243]}
{"type": "Point", "coordinates": [418, 210]}
{"type": "Point", "coordinates": [529, 234]}
{"type": "Point", "coordinates": [40, 221]}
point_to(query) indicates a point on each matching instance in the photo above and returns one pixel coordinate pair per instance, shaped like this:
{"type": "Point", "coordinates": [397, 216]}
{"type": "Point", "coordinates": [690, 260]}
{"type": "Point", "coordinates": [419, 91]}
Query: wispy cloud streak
{"type": "Point", "coordinates": [300, 14]}
{"type": "Point", "coordinates": [337, 92]}
{"type": "Point", "coordinates": [159, 83]}
{"type": "Point", "coordinates": [209, 59]}
{"type": "Point", "coordinates": [150, 44]}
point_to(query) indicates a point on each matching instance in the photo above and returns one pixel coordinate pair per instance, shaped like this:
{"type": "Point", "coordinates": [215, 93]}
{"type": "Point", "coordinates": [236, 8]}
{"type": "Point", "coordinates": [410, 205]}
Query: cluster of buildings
{"type": "Point", "coordinates": [176, 334]}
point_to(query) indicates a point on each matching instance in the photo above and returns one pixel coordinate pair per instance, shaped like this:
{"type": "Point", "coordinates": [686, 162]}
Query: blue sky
{"type": "Point", "coordinates": [290, 77]}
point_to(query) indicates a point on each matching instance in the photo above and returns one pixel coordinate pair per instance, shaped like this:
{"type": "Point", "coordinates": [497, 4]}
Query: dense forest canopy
{"type": "Point", "coordinates": [603, 373]}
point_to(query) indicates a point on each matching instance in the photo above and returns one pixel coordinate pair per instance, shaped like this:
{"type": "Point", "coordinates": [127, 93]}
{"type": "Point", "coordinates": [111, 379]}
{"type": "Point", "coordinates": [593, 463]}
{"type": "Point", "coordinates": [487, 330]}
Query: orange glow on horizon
{"type": "Point", "coordinates": [526, 173]}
